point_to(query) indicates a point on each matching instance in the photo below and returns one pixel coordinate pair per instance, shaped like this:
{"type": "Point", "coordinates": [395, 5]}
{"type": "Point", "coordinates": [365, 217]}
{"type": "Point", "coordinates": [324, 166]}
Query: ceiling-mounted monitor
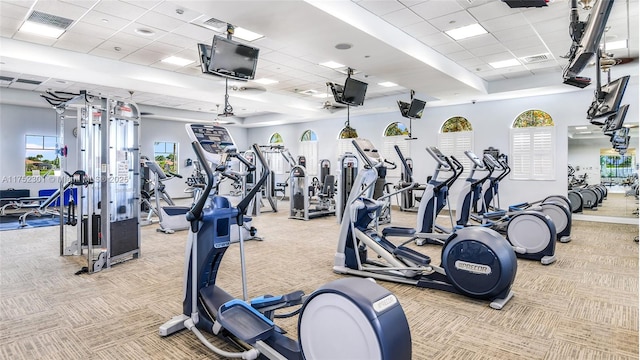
{"type": "Point", "coordinates": [582, 51]}
{"type": "Point", "coordinates": [412, 110]}
{"type": "Point", "coordinates": [354, 92]}
{"type": "Point", "coordinates": [615, 122]}
{"type": "Point", "coordinates": [231, 59]}
{"type": "Point", "coordinates": [608, 98]}
{"type": "Point", "coordinates": [204, 53]}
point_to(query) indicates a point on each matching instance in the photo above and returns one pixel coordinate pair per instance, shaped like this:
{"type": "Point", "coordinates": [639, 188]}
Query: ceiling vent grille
{"type": "Point", "coordinates": [211, 24]}
{"type": "Point", "coordinates": [57, 22]}
{"type": "Point", "coordinates": [6, 78]}
{"type": "Point", "coordinates": [536, 58]}
{"type": "Point", "coordinates": [27, 81]}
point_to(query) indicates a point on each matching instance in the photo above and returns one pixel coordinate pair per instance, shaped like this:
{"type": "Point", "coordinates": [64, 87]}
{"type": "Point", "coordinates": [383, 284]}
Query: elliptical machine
{"type": "Point", "coordinates": [370, 315]}
{"type": "Point", "coordinates": [475, 261]}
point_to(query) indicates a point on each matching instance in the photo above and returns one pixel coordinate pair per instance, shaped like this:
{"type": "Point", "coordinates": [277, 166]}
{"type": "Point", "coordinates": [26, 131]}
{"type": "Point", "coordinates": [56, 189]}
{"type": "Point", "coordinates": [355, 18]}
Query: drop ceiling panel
{"type": "Point", "coordinates": [490, 10]}
{"type": "Point", "coordinates": [120, 9]}
{"type": "Point", "coordinates": [435, 39]}
{"type": "Point", "coordinates": [97, 31]}
{"type": "Point", "coordinates": [479, 41]}
{"type": "Point", "coordinates": [195, 32]}
{"type": "Point", "coordinates": [105, 20]}
{"type": "Point", "coordinates": [144, 57]}
{"type": "Point", "coordinates": [505, 22]}
{"type": "Point", "coordinates": [433, 9]}
{"type": "Point", "coordinates": [159, 21]}
{"type": "Point", "coordinates": [516, 33]}
{"type": "Point", "coordinates": [131, 40]}
{"type": "Point", "coordinates": [488, 50]}
{"type": "Point", "coordinates": [81, 3]}
{"type": "Point", "coordinates": [78, 42]}
{"type": "Point", "coordinates": [34, 38]}
{"type": "Point", "coordinates": [66, 10]}
{"type": "Point", "coordinates": [420, 29]}
{"type": "Point", "coordinates": [169, 8]}
{"type": "Point", "coordinates": [381, 7]}
{"type": "Point", "coordinates": [448, 48]}
{"type": "Point", "coordinates": [179, 40]}
{"type": "Point", "coordinates": [453, 21]}
{"type": "Point", "coordinates": [8, 27]}
{"type": "Point", "coordinates": [402, 18]}
{"type": "Point", "coordinates": [524, 43]}
{"type": "Point", "coordinates": [161, 47]}
{"type": "Point", "coordinates": [529, 51]}
{"type": "Point", "coordinates": [13, 11]}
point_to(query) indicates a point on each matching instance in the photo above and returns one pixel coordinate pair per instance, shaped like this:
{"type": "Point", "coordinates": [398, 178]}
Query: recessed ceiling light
{"type": "Point", "coordinates": [41, 29]}
{"type": "Point", "coordinates": [332, 64]}
{"type": "Point", "coordinates": [615, 45]}
{"type": "Point", "coordinates": [466, 31]}
{"type": "Point", "coordinates": [246, 35]}
{"type": "Point", "coordinates": [585, 132]}
{"type": "Point", "coordinates": [387, 84]}
{"type": "Point", "coordinates": [343, 46]}
{"type": "Point", "coordinates": [581, 128]}
{"type": "Point", "coordinates": [265, 81]}
{"type": "Point", "coordinates": [175, 60]}
{"type": "Point", "coordinates": [504, 63]}
{"type": "Point", "coordinates": [144, 32]}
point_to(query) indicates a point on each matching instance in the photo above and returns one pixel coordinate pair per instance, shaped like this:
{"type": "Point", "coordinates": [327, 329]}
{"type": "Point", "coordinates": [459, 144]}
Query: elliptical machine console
{"type": "Point", "coordinates": [372, 316]}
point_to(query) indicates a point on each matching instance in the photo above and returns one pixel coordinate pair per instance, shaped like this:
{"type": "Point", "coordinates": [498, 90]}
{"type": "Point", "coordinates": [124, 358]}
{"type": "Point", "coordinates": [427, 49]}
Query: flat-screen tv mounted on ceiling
{"type": "Point", "coordinates": [615, 122]}
{"type": "Point", "coordinates": [607, 100]}
{"type": "Point", "coordinates": [352, 93]}
{"type": "Point", "coordinates": [411, 110]}
{"type": "Point", "coordinates": [228, 58]}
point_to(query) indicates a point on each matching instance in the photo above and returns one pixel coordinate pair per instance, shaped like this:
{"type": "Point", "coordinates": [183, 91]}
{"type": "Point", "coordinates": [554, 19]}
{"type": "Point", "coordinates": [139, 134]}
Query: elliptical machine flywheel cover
{"type": "Point", "coordinates": [479, 262]}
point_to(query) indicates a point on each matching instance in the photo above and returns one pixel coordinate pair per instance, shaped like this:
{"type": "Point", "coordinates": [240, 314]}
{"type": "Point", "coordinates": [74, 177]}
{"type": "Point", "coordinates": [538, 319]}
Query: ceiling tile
{"type": "Point", "coordinates": [145, 4]}
{"type": "Point", "coordinates": [120, 9]}
{"type": "Point", "coordinates": [58, 8]}
{"type": "Point", "coordinates": [529, 51]}
{"type": "Point", "coordinates": [505, 22]}
{"type": "Point", "coordinates": [131, 40]}
{"type": "Point", "coordinates": [435, 39]}
{"type": "Point", "coordinates": [179, 40]}
{"type": "Point", "coordinates": [448, 48]}
{"type": "Point", "coordinates": [13, 11]}
{"type": "Point", "coordinates": [78, 42]}
{"type": "Point", "coordinates": [488, 50]}
{"type": "Point", "coordinates": [105, 20]}
{"type": "Point", "coordinates": [195, 32]}
{"type": "Point", "coordinates": [9, 27]}
{"type": "Point", "coordinates": [500, 56]}
{"type": "Point", "coordinates": [453, 21]}
{"type": "Point", "coordinates": [423, 28]}
{"type": "Point", "coordinates": [555, 10]}
{"type": "Point", "coordinates": [97, 31]}
{"type": "Point", "coordinates": [132, 29]}
{"type": "Point", "coordinates": [34, 38]}
{"type": "Point", "coordinates": [402, 18]}
{"type": "Point", "coordinates": [433, 9]}
{"type": "Point", "coordinates": [164, 48]}
{"type": "Point", "coordinates": [478, 41]}
{"type": "Point", "coordinates": [82, 3]}
{"type": "Point", "coordinates": [460, 55]}
{"type": "Point", "coordinates": [169, 8]}
{"type": "Point", "coordinates": [557, 27]}
{"type": "Point", "coordinates": [380, 7]}
{"type": "Point", "coordinates": [522, 31]}
{"type": "Point", "coordinates": [528, 42]}
{"type": "Point", "coordinates": [107, 49]}
{"type": "Point", "coordinates": [410, 3]}
{"type": "Point", "coordinates": [144, 57]}
{"type": "Point", "coordinates": [491, 10]}
{"type": "Point", "coordinates": [159, 21]}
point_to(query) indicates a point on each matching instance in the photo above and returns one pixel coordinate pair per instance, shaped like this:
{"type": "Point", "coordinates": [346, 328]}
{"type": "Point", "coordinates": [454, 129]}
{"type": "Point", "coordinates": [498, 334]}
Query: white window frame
{"type": "Point", "coordinates": [389, 153]}
{"type": "Point", "coordinates": [532, 153]}
{"type": "Point", "coordinates": [309, 149]}
{"type": "Point", "coordinates": [456, 143]}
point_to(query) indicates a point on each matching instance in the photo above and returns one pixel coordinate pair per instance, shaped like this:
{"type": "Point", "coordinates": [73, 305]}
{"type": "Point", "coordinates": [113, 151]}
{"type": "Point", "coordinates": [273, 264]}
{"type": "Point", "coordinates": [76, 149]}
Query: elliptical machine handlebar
{"type": "Point", "coordinates": [506, 171]}
{"type": "Point", "coordinates": [363, 155]}
{"type": "Point", "coordinates": [195, 213]}
{"type": "Point", "coordinates": [403, 160]}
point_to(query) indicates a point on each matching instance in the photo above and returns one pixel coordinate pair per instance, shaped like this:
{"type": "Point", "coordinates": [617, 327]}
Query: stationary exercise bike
{"type": "Point", "coordinates": [344, 319]}
{"type": "Point", "coordinates": [475, 261]}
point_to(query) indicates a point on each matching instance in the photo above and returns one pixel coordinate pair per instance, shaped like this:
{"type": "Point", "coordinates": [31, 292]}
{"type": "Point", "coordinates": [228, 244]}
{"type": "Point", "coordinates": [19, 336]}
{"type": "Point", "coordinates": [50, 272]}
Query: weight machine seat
{"type": "Point", "coordinates": [398, 231]}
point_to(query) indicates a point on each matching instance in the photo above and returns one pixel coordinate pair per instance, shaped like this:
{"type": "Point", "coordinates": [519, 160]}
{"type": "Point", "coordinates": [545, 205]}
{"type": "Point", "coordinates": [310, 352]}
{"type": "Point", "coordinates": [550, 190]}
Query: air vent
{"type": "Point", "coordinates": [6, 78]}
{"type": "Point", "coordinates": [536, 58]}
{"type": "Point", "coordinates": [211, 24]}
{"type": "Point", "coordinates": [27, 81]}
{"type": "Point", "coordinates": [57, 22]}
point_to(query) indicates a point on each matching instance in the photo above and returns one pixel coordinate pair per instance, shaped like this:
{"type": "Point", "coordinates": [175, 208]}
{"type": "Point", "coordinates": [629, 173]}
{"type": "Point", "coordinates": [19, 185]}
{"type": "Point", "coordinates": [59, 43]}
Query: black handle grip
{"type": "Point", "coordinates": [195, 212]}
{"type": "Point", "coordinates": [363, 155]}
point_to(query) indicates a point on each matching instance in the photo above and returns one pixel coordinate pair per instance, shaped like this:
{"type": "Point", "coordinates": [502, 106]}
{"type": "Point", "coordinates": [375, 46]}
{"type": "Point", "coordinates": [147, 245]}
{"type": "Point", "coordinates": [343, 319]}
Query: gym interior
{"type": "Point", "coordinates": [345, 154]}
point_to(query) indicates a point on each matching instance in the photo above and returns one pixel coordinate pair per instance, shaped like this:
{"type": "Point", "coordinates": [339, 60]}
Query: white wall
{"type": "Point", "coordinates": [491, 122]}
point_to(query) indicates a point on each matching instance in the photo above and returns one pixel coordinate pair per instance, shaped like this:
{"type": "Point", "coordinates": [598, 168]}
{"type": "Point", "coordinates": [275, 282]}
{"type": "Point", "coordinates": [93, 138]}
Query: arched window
{"type": "Point", "coordinates": [309, 149]}
{"type": "Point", "coordinates": [395, 134]}
{"type": "Point", "coordinates": [344, 140]}
{"type": "Point", "coordinates": [276, 138]}
{"type": "Point", "coordinates": [532, 146]}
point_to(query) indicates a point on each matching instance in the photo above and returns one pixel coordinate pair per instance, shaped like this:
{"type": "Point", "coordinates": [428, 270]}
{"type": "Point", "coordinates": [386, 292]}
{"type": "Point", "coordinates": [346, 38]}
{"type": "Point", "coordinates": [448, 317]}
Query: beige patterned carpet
{"type": "Point", "coordinates": [585, 306]}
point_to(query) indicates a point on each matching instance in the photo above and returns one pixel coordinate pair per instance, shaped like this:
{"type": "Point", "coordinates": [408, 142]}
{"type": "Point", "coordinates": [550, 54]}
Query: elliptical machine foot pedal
{"type": "Point", "coordinates": [245, 322]}
{"type": "Point", "coordinates": [404, 252]}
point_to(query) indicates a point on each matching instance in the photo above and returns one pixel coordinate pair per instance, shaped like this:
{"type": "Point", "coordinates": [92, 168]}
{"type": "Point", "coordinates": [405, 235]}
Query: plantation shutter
{"type": "Point", "coordinates": [532, 153]}
{"type": "Point", "coordinates": [456, 143]}
{"type": "Point", "coordinates": [345, 146]}
{"type": "Point", "coordinates": [309, 149]}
